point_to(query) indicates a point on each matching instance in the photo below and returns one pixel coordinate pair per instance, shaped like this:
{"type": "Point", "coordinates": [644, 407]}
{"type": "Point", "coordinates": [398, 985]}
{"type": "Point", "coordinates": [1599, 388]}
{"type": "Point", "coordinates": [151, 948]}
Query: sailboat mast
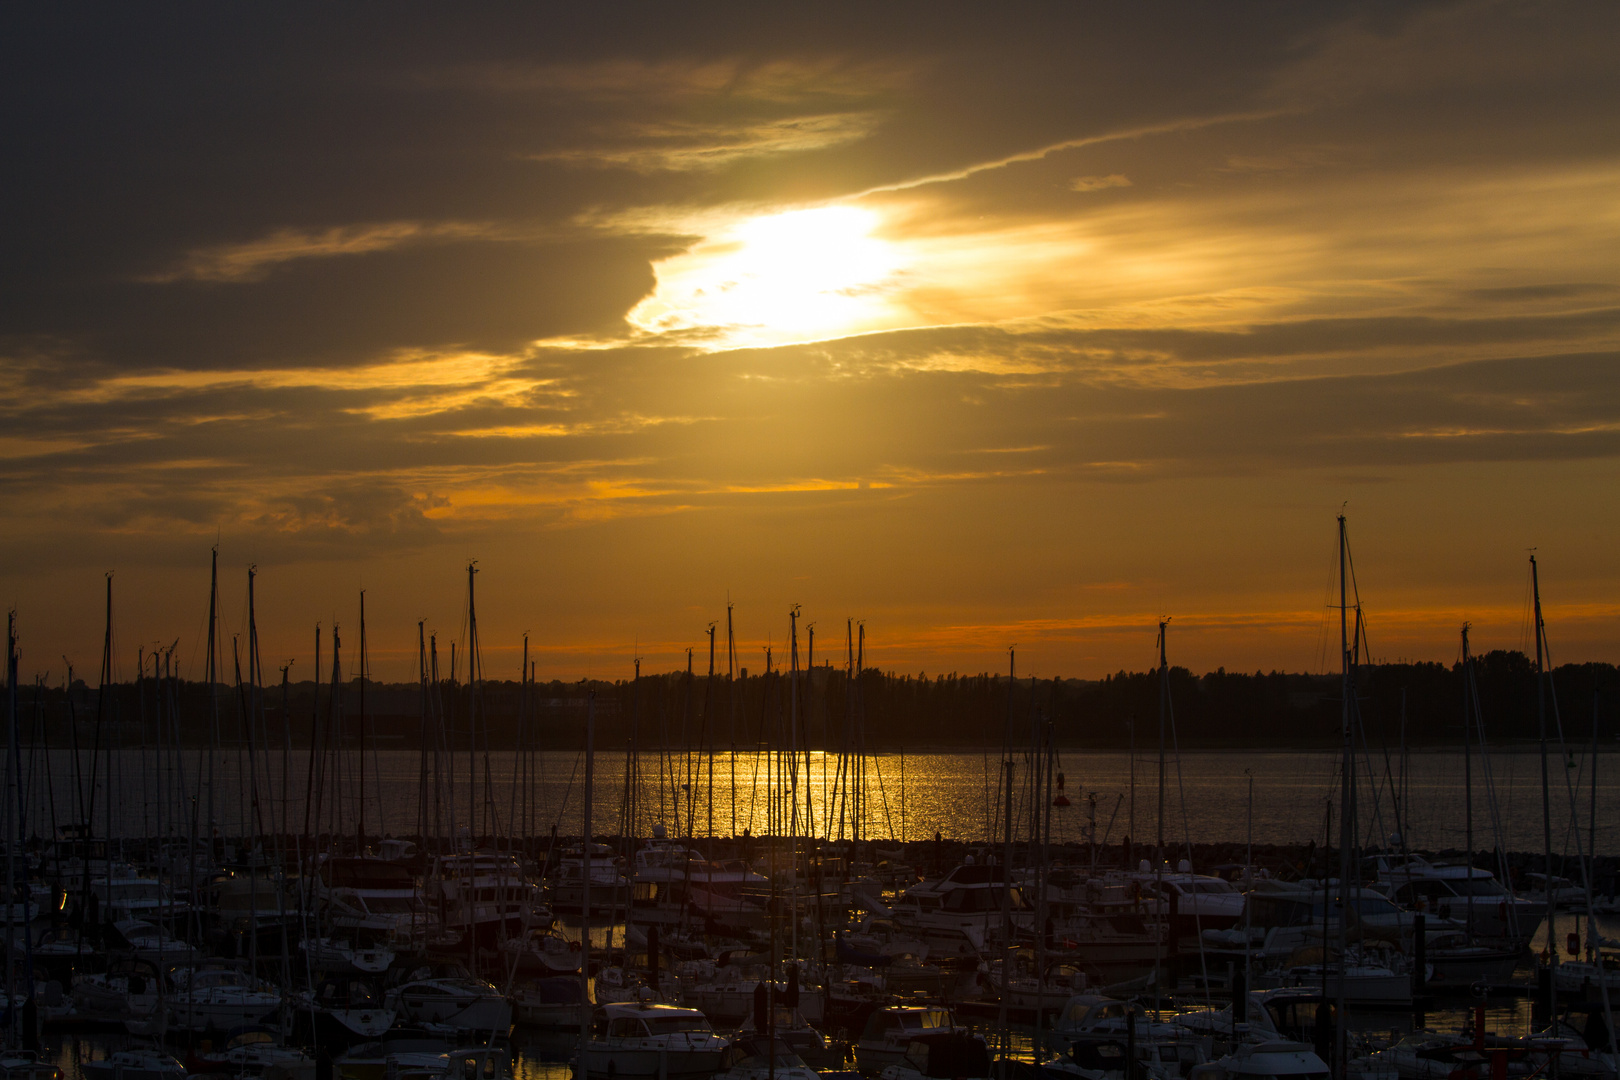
{"type": "Point", "coordinates": [472, 709]}
{"type": "Point", "coordinates": [708, 710]}
{"type": "Point", "coordinates": [793, 772]}
{"type": "Point", "coordinates": [1346, 825]}
{"type": "Point", "coordinates": [360, 816]}
{"type": "Point", "coordinates": [731, 708]}
{"type": "Point", "coordinates": [1468, 779]}
{"type": "Point", "coordinates": [581, 1069]}
{"type": "Point", "coordinates": [213, 696]}
{"type": "Point", "coordinates": [1164, 716]}
{"type": "Point", "coordinates": [1546, 798]}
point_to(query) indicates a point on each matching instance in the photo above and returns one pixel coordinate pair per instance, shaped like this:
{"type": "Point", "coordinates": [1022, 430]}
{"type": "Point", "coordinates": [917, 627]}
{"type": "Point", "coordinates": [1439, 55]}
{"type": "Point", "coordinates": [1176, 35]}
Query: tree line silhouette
{"type": "Point", "coordinates": [1420, 703]}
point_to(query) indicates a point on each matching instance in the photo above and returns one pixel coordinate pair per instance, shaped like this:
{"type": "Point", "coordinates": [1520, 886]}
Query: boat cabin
{"type": "Point", "coordinates": [646, 1020]}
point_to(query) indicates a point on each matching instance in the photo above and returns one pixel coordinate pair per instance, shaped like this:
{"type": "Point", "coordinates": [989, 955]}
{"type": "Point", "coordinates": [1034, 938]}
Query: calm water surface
{"type": "Point", "coordinates": [1207, 795]}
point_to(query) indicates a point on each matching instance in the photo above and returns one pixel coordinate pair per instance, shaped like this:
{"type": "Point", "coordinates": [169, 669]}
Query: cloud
{"type": "Point", "coordinates": [686, 146]}
{"type": "Point", "coordinates": [1099, 183]}
{"type": "Point", "coordinates": [1131, 301]}
{"type": "Point", "coordinates": [252, 260]}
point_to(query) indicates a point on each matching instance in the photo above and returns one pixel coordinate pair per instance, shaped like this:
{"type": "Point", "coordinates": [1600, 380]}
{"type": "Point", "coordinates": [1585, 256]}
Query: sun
{"type": "Point", "coordinates": [794, 276]}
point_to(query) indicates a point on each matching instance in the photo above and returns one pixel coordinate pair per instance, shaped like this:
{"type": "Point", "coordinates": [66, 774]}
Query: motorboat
{"type": "Point", "coordinates": [1097, 1029]}
{"type": "Point", "coordinates": [726, 993]}
{"type": "Point", "coordinates": [219, 999]}
{"type": "Point", "coordinates": [446, 993]}
{"type": "Point", "coordinates": [617, 983]}
{"type": "Point", "coordinates": [554, 1002]}
{"type": "Point", "coordinates": [755, 1058]}
{"type": "Point", "coordinates": [1455, 962]}
{"type": "Point", "coordinates": [1565, 893]}
{"type": "Point", "coordinates": [791, 1030]}
{"type": "Point", "coordinates": [1191, 903]}
{"type": "Point", "coordinates": [1276, 1060]}
{"type": "Point", "coordinates": [373, 900]}
{"type": "Point", "coordinates": [542, 952]}
{"type": "Point", "coordinates": [1600, 969]}
{"type": "Point", "coordinates": [131, 896]}
{"type": "Point", "coordinates": [971, 898]}
{"type": "Point", "coordinates": [1024, 988]}
{"type": "Point", "coordinates": [610, 888]}
{"type": "Point", "coordinates": [342, 954]}
{"type": "Point", "coordinates": [1285, 917]}
{"type": "Point", "coordinates": [130, 989]}
{"type": "Point", "coordinates": [252, 1051]}
{"type": "Point", "coordinates": [875, 942]}
{"type": "Point", "coordinates": [25, 1065]}
{"type": "Point", "coordinates": [1362, 978]}
{"type": "Point", "coordinates": [407, 1055]}
{"type": "Point", "coordinates": [155, 945]}
{"type": "Point", "coordinates": [663, 861]}
{"type": "Point", "coordinates": [1472, 896]}
{"type": "Point", "coordinates": [134, 1064]}
{"type": "Point", "coordinates": [651, 1039]}
{"type": "Point", "coordinates": [889, 1032]}
{"type": "Point", "coordinates": [343, 1009]}
{"type": "Point", "coordinates": [487, 895]}
{"type": "Point", "coordinates": [954, 1056]}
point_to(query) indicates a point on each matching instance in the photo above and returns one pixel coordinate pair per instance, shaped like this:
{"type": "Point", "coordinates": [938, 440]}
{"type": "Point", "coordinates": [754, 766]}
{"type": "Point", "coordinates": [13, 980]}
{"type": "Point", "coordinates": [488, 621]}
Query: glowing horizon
{"type": "Point", "coordinates": [990, 335]}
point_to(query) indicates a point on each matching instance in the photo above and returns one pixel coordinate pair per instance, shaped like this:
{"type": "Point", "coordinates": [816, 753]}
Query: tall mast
{"type": "Point", "coordinates": [360, 817]}
{"type": "Point", "coordinates": [422, 769]}
{"type": "Point", "coordinates": [1546, 799]}
{"type": "Point", "coordinates": [809, 689]}
{"type": "Point", "coordinates": [213, 696]}
{"type": "Point", "coordinates": [104, 695]}
{"type": "Point", "coordinates": [581, 1069]}
{"type": "Point", "coordinates": [1468, 778]}
{"type": "Point", "coordinates": [1346, 825]}
{"type": "Point", "coordinates": [731, 708]}
{"type": "Point", "coordinates": [472, 708]}
{"type": "Point", "coordinates": [1164, 716]}
{"type": "Point", "coordinates": [334, 735]}
{"type": "Point", "coordinates": [793, 772]}
{"type": "Point", "coordinates": [708, 709]}
{"type": "Point", "coordinates": [1162, 904]}
{"type": "Point", "coordinates": [314, 740]}
{"type": "Point", "coordinates": [14, 750]}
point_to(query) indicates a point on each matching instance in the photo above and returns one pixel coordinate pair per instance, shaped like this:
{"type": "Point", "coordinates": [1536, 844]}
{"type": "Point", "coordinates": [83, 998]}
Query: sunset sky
{"type": "Point", "coordinates": [988, 325]}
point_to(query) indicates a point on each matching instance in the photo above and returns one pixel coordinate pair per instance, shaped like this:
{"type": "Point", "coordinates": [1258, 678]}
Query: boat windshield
{"type": "Point", "coordinates": [1077, 1013]}
{"type": "Point", "coordinates": [672, 1025]}
{"type": "Point", "coordinates": [1477, 887]}
{"type": "Point", "coordinates": [390, 905]}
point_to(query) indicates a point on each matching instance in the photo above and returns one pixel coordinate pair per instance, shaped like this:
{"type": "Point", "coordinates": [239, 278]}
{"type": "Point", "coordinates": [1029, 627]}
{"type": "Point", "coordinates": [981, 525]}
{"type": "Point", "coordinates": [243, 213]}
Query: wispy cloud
{"type": "Point", "coordinates": [251, 260]}
{"type": "Point", "coordinates": [676, 146]}
{"type": "Point", "coordinates": [1099, 183]}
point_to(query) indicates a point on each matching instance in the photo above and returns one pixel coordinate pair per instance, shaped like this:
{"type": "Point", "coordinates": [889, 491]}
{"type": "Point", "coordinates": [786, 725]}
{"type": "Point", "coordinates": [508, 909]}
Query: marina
{"type": "Point", "coordinates": [444, 923]}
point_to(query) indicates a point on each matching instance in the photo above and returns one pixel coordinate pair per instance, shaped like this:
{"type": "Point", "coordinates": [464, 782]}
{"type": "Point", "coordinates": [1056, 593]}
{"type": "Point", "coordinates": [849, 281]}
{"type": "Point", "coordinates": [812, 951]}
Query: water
{"type": "Point", "coordinates": [909, 796]}
{"type": "Point", "coordinates": [540, 1055]}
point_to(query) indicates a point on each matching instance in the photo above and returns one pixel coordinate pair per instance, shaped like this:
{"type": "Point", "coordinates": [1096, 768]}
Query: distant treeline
{"type": "Point", "coordinates": [882, 710]}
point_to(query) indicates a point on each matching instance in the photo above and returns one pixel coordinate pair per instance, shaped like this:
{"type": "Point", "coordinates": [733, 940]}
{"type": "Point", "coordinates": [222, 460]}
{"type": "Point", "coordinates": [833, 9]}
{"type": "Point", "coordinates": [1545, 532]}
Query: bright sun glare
{"type": "Point", "coordinates": [793, 276]}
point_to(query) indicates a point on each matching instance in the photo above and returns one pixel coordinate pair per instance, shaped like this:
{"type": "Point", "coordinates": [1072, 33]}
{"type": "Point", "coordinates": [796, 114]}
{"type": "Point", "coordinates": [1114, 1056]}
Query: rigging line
{"type": "Point", "coordinates": [1491, 801]}
{"type": "Point", "coordinates": [884, 796]}
{"type": "Point", "coordinates": [1186, 835]}
{"type": "Point", "coordinates": [1563, 754]}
